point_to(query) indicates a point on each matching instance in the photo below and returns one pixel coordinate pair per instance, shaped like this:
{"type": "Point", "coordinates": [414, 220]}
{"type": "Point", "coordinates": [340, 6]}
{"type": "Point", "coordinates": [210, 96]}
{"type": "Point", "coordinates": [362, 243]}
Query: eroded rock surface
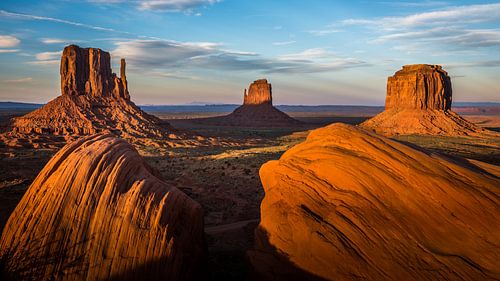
{"type": "Point", "coordinates": [259, 92]}
{"type": "Point", "coordinates": [257, 110]}
{"type": "Point", "coordinates": [97, 211]}
{"type": "Point", "coordinates": [348, 204]}
{"type": "Point", "coordinates": [93, 100]}
{"type": "Point", "coordinates": [418, 101]}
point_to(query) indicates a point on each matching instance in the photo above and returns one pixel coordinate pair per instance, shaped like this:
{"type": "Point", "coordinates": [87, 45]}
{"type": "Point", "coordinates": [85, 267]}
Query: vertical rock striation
{"type": "Point", "coordinates": [97, 211]}
{"type": "Point", "coordinates": [257, 110]}
{"type": "Point", "coordinates": [419, 86]}
{"type": "Point", "coordinates": [93, 99]}
{"type": "Point", "coordinates": [259, 92]}
{"type": "Point", "coordinates": [418, 101]}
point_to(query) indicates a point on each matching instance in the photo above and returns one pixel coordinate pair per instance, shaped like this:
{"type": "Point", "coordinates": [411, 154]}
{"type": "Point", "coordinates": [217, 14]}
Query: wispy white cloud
{"type": "Point", "coordinates": [165, 56]}
{"type": "Point", "coordinates": [458, 28]}
{"type": "Point", "coordinates": [327, 30]}
{"type": "Point", "coordinates": [53, 41]}
{"type": "Point", "coordinates": [8, 51]}
{"type": "Point", "coordinates": [19, 80]}
{"type": "Point", "coordinates": [8, 41]}
{"type": "Point", "coordinates": [20, 16]}
{"type": "Point", "coordinates": [451, 15]}
{"type": "Point", "coordinates": [174, 5]}
{"type": "Point", "coordinates": [283, 43]}
{"type": "Point", "coordinates": [48, 55]}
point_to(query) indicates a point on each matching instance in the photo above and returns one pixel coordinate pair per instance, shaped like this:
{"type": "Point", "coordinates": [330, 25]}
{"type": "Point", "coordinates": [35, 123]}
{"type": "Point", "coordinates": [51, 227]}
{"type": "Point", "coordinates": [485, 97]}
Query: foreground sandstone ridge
{"type": "Point", "coordinates": [93, 99]}
{"type": "Point", "coordinates": [418, 101]}
{"type": "Point", "coordinates": [98, 211]}
{"type": "Point", "coordinates": [349, 204]}
{"type": "Point", "coordinates": [257, 110]}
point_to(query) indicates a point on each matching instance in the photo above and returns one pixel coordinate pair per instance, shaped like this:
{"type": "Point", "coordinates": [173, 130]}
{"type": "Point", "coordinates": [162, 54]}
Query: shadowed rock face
{"type": "Point", "coordinates": [93, 100]}
{"type": "Point", "coordinates": [259, 92]}
{"type": "Point", "coordinates": [348, 204]}
{"type": "Point", "coordinates": [419, 86]}
{"type": "Point", "coordinates": [418, 102]}
{"type": "Point", "coordinates": [97, 211]}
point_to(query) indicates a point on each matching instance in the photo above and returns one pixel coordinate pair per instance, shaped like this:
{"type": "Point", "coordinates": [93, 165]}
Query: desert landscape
{"type": "Point", "coordinates": [96, 184]}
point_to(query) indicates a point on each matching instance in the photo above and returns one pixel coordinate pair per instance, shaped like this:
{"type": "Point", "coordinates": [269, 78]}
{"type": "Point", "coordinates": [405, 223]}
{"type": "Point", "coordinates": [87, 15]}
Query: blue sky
{"type": "Point", "coordinates": [313, 52]}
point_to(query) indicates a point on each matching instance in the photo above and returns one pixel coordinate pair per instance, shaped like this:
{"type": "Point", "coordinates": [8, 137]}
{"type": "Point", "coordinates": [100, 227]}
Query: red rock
{"type": "Point", "coordinates": [259, 92]}
{"type": "Point", "coordinates": [93, 100]}
{"type": "Point", "coordinates": [348, 204]}
{"type": "Point", "coordinates": [97, 211]}
{"type": "Point", "coordinates": [419, 102]}
{"type": "Point", "coordinates": [257, 110]}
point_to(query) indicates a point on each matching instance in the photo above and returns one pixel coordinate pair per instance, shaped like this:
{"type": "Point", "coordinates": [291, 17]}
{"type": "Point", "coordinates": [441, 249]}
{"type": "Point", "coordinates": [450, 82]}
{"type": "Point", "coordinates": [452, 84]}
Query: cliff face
{"type": "Point", "coordinates": [97, 211]}
{"type": "Point", "coordinates": [257, 110]}
{"type": "Point", "coordinates": [259, 92]}
{"type": "Point", "coordinates": [348, 204]}
{"type": "Point", "coordinates": [93, 99]}
{"type": "Point", "coordinates": [419, 86]}
{"type": "Point", "coordinates": [418, 102]}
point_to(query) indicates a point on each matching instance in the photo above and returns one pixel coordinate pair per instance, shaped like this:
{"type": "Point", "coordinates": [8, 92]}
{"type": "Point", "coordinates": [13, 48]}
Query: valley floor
{"type": "Point", "coordinates": [225, 179]}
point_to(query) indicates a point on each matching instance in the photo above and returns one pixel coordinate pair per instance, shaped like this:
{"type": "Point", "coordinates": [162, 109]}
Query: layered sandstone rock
{"type": "Point", "coordinates": [97, 211]}
{"type": "Point", "coordinates": [418, 101]}
{"type": "Point", "coordinates": [93, 100]}
{"type": "Point", "coordinates": [348, 204]}
{"type": "Point", "coordinates": [259, 92]}
{"type": "Point", "coordinates": [257, 110]}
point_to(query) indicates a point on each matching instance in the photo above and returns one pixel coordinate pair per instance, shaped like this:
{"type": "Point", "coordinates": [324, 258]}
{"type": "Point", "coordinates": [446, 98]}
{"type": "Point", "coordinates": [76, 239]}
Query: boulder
{"type": "Point", "coordinates": [97, 211]}
{"type": "Point", "coordinates": [348, 204]}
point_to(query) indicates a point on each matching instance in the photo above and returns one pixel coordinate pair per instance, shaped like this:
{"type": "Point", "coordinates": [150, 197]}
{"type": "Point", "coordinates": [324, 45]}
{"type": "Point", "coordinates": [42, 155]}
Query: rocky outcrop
{"type": "Point", "coordinates": [257, 110]}
{"type": "Point", "coordinates": [259, 92]}
{"type": "Point", "coordinates": [97, 211]}
{"type": "Point", "coordinates": [419, 86]}
{"type": "Point", "coordinates": [418, 101]}
{"type": "Point", "coordinates": [93, 99]}
{"type": "Point", "coordinates": [348, 204]}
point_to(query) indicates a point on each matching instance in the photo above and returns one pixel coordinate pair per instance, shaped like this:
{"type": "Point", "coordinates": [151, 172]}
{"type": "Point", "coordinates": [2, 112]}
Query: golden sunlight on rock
{"type": "Point", "coordinates": [348, 204]}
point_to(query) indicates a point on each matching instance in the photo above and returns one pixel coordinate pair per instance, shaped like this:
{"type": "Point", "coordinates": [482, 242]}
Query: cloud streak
{"type": "Point", "coordinates": [157, 55]}
{"type": "Point", "coordinates": [8, 41]}
{"type": "Point", "coordinates": [21, 16]}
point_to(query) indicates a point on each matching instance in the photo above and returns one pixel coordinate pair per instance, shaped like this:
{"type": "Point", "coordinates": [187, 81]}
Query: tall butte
{"type": "Point", "coordinates": [93, 99]}
{"type": "Point", "coordinates": [418, 101]}
{"type": "Point", "coordinates": [257, 110]}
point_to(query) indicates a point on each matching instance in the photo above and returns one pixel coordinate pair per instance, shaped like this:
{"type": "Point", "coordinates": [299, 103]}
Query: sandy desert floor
{"type": "Point", "coordinates": [225, 179]}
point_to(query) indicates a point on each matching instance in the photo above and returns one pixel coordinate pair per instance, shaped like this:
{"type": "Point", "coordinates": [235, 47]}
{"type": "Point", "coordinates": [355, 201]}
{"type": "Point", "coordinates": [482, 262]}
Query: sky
{"type": "Point", "coordinates": [209, 51]}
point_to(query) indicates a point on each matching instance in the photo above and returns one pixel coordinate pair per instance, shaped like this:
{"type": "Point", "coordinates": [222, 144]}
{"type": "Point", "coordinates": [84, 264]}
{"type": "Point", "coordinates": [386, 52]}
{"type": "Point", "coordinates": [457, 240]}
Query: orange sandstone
{"type": "Point", "coordinates": [348, 204]}
{"type": "Point", "coordinates": [97, 211]}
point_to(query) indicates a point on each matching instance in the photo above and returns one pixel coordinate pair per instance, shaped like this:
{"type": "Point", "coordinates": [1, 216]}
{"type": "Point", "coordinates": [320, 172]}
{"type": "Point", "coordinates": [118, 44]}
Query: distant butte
{"type": "Point", "coordinates": [257, 110]}
{"type": "Point", "coordinates": [418, 102]}
{"type": "Point", "coordinates": [93, 99]}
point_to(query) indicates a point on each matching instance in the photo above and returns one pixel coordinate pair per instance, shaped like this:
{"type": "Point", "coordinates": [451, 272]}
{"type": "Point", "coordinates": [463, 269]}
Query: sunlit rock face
{"type": "Point", "coordinates": [348, 204]}
{"type": "Point", "coordinates": [418, 102]}
{"type": "Point", "coordinates": [93, 99]}
{"type": "Point", "coordinates": [419, 86]}
{"type": "Point", "coordinates": [97, 211]}
{"type": "Point", "coordinates": [259, 92]}
{"type": "Point", "coordinates": [257, 110]}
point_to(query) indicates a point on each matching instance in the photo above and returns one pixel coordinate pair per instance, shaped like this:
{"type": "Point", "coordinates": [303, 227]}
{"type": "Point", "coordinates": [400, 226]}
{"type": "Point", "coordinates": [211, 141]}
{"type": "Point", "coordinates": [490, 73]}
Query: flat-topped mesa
{"type": "Point", "coordinates": [259, 92]}
{"type": "Point", "coordinates": [87, 71]}
{"type": "Point", "coordinates": [419, 86]}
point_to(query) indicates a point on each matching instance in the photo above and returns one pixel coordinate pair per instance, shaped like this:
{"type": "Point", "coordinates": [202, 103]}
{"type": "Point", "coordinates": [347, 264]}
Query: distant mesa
{"type": "Point", "coordinates": [257, 110]}
{"type": "Point", "coordinates": [418, 101]}
{"type": "Point", "coordinates": [93, 100]}
{"type": "Point", "coordinates": [97, 211]}
{"type": "Point", "coordinates": [349, 204]}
